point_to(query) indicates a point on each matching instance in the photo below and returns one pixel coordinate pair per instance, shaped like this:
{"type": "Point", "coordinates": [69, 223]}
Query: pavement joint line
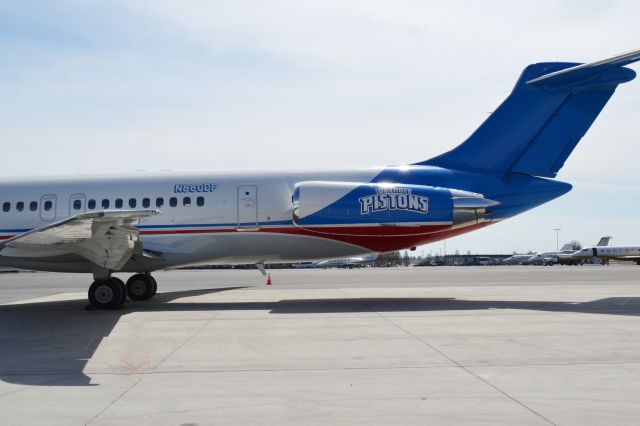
{"type": "Point", "coordinates": [471, 373]}
{"type": "Point", "coordinates": [244, 370]}
{"type": "Point", "coordinates": [275, 370]}
{"type": "Point", "coordinates": [206, 324]}
{"type": "Point", "coordinates": [123, 393]}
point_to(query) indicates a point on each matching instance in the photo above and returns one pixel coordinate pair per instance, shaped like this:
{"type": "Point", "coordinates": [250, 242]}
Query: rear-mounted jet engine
{"type": "Point", "coordinates": [352, 208]}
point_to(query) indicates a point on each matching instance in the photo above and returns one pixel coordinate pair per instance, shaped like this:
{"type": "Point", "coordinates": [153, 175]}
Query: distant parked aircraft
{"type": "Point", "coordinates": [565, 255]}
{"type": "Point", "coordinates": [518, 259]}
{"type": "Point", "coordinates": [347, 262]}
{"type": "Point", "coordinates": [547, 258]}
{"type": "Point", "coordinates": [631, 253]}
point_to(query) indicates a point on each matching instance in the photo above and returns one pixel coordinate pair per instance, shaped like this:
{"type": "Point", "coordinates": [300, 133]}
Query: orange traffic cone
{"type": "Point", "coordinates": [269, 279]}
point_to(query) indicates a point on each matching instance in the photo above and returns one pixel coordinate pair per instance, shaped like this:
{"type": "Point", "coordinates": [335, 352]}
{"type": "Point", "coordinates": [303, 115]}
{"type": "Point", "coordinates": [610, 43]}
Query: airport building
{"type": "Point", "coordinates": [465, 260]}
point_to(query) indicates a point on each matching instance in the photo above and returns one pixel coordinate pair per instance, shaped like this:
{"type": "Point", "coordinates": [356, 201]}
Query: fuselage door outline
{"type": "Point", "coordinates": [247, 207]}
{"type": "Point", "coordinates": [48, 207]}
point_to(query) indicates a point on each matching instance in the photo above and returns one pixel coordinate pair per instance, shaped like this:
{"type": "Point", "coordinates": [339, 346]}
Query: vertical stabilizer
{"type": "Point", "coordinates": [537, 127]}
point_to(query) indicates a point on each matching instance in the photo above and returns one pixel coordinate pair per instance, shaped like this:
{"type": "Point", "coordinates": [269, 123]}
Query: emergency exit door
{"type": "Point", "coordinates": [247, 206]}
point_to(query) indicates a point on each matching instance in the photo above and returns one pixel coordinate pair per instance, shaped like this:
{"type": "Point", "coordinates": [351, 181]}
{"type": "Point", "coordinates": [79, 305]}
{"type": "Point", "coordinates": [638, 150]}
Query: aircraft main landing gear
{"type": "Point", "coordinates": [141, 287]}
{"type": "Point", "coordinates": [109, 293]}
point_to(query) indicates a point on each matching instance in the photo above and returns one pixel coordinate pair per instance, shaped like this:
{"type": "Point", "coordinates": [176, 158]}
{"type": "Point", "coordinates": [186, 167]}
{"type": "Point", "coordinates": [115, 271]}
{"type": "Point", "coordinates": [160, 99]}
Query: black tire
{"type": "Point", "coordinates": [140, 287]}
{"type": "Point", "coordinates": [105, 294]}
{"type": "Point", "coordinates": [123, 298]}
{"type": "Point", "coordinates": [155, 285]}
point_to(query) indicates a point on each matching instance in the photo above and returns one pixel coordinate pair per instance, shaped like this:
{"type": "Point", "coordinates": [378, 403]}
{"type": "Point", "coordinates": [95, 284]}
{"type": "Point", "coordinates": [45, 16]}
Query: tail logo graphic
{"type": "Point", "coordinates": [395, 198]}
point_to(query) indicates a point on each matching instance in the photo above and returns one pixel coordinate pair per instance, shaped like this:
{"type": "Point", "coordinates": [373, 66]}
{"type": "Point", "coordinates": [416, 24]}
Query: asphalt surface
{"type": "Point", "coordinates": [479, 345]}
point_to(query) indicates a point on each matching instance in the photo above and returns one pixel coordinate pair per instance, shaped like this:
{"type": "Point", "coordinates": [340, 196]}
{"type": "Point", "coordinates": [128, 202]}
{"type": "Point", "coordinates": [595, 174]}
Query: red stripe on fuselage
{"type": "Point", "coordinates": [386, 242]}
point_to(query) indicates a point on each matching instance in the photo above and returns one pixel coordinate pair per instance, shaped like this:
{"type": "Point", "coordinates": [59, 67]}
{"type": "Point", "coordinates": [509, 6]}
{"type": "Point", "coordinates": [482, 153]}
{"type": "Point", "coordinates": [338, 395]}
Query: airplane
{"type": "Point", "coordinates": [137, 224]}
{"type": "Point", "coordinates": [544, 259]}
{"type": "Point", "coordinates": [565, 255]}
{"type": "Point", "coordinates": [345, 262]}
{"type": "Point", "coordinates": [517, 259]}
{"type": "Point", "coordinates": [607, 253]}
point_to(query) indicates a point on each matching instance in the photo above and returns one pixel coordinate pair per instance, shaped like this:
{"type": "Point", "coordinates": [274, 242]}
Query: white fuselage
{"type": "Point", "coordinates": [610, 252]}
{"type": "Point", "coordinates": [517, 259]}
{"type": "Point", "coordinates": [215, 218]}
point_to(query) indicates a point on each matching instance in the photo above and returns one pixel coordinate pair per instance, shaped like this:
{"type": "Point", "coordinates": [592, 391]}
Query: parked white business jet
{"type": "Point", "coordinates": [139, 224]}
{"type": "Point", "coordinates": [544, 259]}
{"type": "Point", "coordinates": [631, 253]}
{"type": "Point", "coordinates": [346, 262]}
{"type": "Point", "coordinates": [565, 255]}
{"type": "Point", "coordinates": [517, 259]}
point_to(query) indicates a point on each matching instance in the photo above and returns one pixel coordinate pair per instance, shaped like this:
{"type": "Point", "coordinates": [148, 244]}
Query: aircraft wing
{"type": "Point", "coordinates": [106, 238]}
{"type": "Point", "coordinates": [628, 257]}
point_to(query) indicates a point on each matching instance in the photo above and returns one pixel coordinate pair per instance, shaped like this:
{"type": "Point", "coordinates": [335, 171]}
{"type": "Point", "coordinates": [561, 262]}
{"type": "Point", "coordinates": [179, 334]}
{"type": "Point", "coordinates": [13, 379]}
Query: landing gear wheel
{"type": "Point", "coordinates": [140, 287]}
{"type": "Point", "coordinates": [123, 298]}
{"type": "Point", "coordinates": [106, 294]}
{"type": "Point", "coordinates": [155, 285]}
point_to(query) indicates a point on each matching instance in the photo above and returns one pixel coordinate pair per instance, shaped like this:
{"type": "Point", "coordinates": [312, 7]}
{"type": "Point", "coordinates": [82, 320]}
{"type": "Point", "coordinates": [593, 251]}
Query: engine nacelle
{"type": "Point", "coordinates": [343, 204]}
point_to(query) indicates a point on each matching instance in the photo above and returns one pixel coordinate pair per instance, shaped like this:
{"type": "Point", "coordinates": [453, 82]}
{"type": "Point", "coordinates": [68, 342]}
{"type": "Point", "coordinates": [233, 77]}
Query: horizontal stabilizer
{"type": "Point", "coordinates": [590, 75]}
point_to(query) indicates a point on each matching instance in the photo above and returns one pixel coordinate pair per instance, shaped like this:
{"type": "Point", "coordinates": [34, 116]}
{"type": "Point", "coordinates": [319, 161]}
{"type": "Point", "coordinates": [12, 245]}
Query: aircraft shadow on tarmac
{"type": "Point", "coordinates": [49, 343]}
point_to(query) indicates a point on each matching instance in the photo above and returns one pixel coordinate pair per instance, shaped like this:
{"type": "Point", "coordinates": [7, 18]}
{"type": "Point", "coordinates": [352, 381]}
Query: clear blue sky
{"type": "Point", "coordinates": [94, 87]}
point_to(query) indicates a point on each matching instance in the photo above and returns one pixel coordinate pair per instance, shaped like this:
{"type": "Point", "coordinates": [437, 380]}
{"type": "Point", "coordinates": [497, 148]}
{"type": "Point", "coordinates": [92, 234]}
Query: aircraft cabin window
{"type": "Point", "coordinates": [77, 204]}
{"type": "Point", "coordinates": [119, 203]}
{"type": "Point", "coordinates": [186, 201]}
{"type": "Point", "coordinates": [200, 201]}
{"type": "Point", "coordinates": [6, 207]}
{"type": "Point", "coordinates": [91, 204]}
{"type": "Point", "coordinates": [173, 201]}
{"type": "Point", "coordinates": [48, 205]}
{"type": "Point", "coordinates": [132, 203]}
{"type": "Point", "coordinates": [105, 203]}
{"type": "Point", "coordinates": [159, 202]}
{"type": "Point", "coordinates": [33, 206]}
{"type": "Point", "coordinates": [20, 206]}
{"type": "Point", "coordinates": [146, 202]}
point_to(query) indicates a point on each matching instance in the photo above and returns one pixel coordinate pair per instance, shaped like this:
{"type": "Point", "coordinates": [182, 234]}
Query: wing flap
{"type": "Point", "coordinates": [106, 238]}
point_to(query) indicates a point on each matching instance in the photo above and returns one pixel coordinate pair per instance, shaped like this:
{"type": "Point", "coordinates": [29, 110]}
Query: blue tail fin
{"type": "Point", "coordinates": [537, 127]}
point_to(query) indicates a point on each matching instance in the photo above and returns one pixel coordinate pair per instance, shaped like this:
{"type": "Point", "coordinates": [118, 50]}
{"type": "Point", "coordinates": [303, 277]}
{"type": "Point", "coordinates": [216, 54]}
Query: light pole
{"type": "Point", "coordinates": [557, 233]}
